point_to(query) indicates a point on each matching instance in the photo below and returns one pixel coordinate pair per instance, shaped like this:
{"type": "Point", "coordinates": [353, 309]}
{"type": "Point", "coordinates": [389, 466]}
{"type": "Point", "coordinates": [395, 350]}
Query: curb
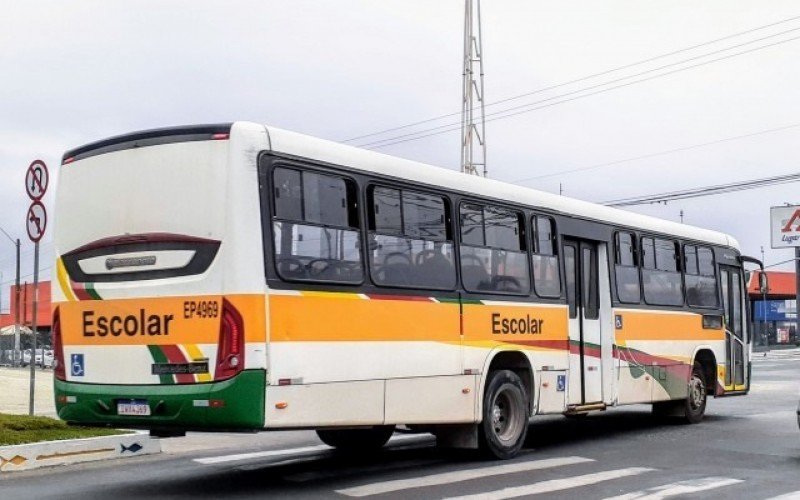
{"type": "Point", "coordinates": [53, 453]}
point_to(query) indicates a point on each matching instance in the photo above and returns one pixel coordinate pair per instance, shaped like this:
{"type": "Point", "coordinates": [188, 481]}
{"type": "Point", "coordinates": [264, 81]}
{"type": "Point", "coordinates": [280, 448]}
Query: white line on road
{"type": "Point", "coordinates": [555, 484]}
{"type": "Point", "coordinates": [679, 488]}
{"type": "Point", "coordinates": [458, 476]}
{"type": "Point", "coordinates": [298, 452]}
{"type": "Point", "coordinates": [794, 495]}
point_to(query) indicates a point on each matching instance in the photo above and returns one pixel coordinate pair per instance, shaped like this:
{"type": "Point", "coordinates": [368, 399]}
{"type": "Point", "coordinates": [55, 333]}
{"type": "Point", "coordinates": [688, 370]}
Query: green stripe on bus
{"type": "Point", "coordinates": [92, 292]}
{"type": "Point", "coordinates": [159, 357]}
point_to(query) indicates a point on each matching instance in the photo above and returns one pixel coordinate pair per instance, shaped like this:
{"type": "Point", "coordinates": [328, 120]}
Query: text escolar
{"type": "Point", "coordinates": [143, 324]}
{"type": "Point", "coordinates": [529, 325]}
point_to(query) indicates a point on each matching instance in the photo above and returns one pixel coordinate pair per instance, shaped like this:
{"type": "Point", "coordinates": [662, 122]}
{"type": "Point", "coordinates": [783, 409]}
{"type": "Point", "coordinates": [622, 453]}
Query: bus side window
{"type": "Point", "coordinates": [546, 279]}
{"type": "Point", "coordinates": [409, 241]}
{"type": "Point", "coordinates": [493, 254]}
{"type": "Point", "coordinates": [661, 277]}
{"type": "Point", "coordinates": [315, 227]}
{"type": "Point", "coordinates": [626, 268]}
{"type": "Point", "coordinates": [701, 279]}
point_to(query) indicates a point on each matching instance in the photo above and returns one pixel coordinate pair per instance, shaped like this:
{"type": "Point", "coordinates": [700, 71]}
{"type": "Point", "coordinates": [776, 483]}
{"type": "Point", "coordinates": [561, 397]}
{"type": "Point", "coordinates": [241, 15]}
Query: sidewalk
{"type": "Point", "coordinates": [14, 391]}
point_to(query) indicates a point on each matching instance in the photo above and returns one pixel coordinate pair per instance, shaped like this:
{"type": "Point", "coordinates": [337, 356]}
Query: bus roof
{"type": "Point", "coordinates": [284, 141]}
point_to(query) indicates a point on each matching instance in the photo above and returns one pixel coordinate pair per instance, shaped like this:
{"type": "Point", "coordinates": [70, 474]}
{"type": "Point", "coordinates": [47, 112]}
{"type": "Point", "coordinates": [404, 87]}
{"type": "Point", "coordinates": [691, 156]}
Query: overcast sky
{"type": "Point", "coordinates": [78, 71]}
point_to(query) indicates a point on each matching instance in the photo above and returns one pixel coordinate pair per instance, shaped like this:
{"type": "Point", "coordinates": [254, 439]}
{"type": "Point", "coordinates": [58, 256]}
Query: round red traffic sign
{"type": "Point", "coordinates": [36, 180]}
{"type": "Point", "coordinates": [36, 221]}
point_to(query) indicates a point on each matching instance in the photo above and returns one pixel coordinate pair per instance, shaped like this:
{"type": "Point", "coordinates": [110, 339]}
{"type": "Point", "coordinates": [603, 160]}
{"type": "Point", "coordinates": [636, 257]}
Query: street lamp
{"type": "Point", "coordinates": [16, 294]}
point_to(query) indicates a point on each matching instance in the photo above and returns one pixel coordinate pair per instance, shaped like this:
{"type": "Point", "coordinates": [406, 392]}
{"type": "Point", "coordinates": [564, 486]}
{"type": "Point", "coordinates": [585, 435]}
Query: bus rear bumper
{"type": "Point", "coordinates": [234, 404]}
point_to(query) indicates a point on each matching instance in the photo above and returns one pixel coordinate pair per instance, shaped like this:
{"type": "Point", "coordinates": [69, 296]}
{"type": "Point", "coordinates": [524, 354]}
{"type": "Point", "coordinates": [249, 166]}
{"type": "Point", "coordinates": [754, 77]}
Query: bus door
{"type": "Point", "coordinates": [735, 335]}
{"type": "Point", "coordinates": [583, 297]}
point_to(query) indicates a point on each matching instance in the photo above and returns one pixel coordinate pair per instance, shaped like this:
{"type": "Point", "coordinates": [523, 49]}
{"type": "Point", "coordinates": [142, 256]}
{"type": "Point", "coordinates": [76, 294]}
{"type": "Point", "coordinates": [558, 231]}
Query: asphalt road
{"type": "Point", "coordinates": [747, 447]}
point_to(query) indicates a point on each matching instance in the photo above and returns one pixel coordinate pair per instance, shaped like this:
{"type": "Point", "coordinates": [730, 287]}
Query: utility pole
{"type": "Point", "coordinates": [681, 216]}
{"type": "Point", "coordinates": [17, 350]}
{"type": "Point", "coordinates": [473, 119]}
{"type": "Point", "coordinates": [797, 291]}
{"type": "Point", "coordinates": [763, 302]}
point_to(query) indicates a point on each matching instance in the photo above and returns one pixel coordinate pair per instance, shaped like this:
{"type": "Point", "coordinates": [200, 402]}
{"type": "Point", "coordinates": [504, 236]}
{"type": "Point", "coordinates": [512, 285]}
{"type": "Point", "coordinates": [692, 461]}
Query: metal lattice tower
{"type": "Point", "coordinates": [473, 120]}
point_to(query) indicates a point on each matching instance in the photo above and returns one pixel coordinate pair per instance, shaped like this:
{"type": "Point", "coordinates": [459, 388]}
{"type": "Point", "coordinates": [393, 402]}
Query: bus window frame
{"type": "Point", "coordinates": [637, 263]}
{"type": "Point", "coordinates": [533, 246]}
{"type": "Point", "coordinates": [714, 265]}
{"type": "Point", "coordinates": [522, 216]}
{"type": "Point", "coordinates": [302, 166]}
{"type": "Point", "coordinates": [677, 244]}
{"type": "Point", "coordinates": [366, 195]}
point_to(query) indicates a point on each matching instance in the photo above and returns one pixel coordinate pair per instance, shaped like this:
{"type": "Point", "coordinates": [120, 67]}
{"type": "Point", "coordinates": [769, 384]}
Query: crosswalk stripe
{"type": "Point", "coordinates": [299, 452]}
{"type": "Point", "coordinates": [261, 454]}
{"type": "Point", "coordinates": [794, 495]}
{"type": "Point", "coordinates": [555, 484]}
{"type": "Point", "coordinates": [316, 475]}
{"type": "Point", "coordinates": [679, 488]}
{"type": "Point", "coordinates": [458, 476]}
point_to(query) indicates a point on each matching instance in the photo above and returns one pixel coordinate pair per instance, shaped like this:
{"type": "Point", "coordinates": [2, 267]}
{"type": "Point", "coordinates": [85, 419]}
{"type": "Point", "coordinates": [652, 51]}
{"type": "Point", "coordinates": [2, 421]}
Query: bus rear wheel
{"type": "Point", "coordinates": [356, 440]}
{"type": "Point", "coordinates": [505, 415]}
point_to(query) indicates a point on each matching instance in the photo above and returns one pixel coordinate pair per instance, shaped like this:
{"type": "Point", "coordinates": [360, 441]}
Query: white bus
{"type": "Point", "coordinates": [240, 277]}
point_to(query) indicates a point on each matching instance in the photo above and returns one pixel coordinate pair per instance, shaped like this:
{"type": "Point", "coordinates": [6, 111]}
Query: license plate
{"type": "Point", "coordinates": [135, 407]}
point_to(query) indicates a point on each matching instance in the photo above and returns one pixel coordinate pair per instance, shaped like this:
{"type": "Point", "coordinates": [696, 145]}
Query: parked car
{"type": "Point", "coordinates": [47, 359]}
{"type": "Point", "coordinates": [44, 358]}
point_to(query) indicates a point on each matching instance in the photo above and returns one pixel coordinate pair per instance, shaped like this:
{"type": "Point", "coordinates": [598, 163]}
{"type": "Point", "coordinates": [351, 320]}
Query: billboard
{"type": "Point", "coordinates": [784, 223]}
{"type": "Point", "coordinates": [776, 310]}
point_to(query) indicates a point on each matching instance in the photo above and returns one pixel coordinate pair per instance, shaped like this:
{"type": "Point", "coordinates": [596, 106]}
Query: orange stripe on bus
{"type": "Point", "coordinates": [328, 317]}
{"type": "Point", "coordinates": [157, 321]}
{"type": "Point", "coordinates": [655, 325]}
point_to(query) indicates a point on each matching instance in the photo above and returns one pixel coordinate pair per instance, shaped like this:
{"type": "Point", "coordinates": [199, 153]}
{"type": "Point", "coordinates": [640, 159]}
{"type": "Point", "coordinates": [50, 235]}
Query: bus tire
{"type": "Point", "coordinates": [357, 440]}
{"type": "Point", "coordinates": [504, 427]}
{"type": "Point", "coordinates": [692, 409]}
{"type": "Point", "coordinates": [697, 397]}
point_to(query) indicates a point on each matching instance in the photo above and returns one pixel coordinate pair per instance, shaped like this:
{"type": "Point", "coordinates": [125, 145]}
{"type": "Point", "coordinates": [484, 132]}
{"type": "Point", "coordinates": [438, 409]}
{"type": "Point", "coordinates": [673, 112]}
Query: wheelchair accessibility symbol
{"type": "Point", "coordinates": [76, 362]}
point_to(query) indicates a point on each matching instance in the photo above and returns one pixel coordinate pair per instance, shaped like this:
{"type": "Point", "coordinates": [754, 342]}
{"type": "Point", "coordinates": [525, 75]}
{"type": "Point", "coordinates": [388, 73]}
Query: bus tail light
{"type": "Point", "coordinates": [230, 350]}
{"type": "Point", "coordinates": [59, 365]}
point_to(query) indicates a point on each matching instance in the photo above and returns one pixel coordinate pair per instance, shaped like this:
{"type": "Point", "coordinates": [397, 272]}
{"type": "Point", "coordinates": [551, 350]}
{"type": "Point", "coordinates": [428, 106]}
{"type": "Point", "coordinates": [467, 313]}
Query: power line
{"type": "Point", "coordinates": [8, 282]}
{"type": "Point", "coordinates": [581, 79]}
{"type": "Point", "coordinates": [505, 113]}
{"type": "Point", "coordinates": [660, 153]}
{"type": "Point", "coordinates": [704, 191]}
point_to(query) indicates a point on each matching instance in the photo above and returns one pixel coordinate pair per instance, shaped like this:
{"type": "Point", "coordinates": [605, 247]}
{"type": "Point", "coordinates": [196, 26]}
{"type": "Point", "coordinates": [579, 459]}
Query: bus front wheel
{"type": "Point", "coordinates": [505, 415]}
{"type": "Point", "coordinates": [356, 440]}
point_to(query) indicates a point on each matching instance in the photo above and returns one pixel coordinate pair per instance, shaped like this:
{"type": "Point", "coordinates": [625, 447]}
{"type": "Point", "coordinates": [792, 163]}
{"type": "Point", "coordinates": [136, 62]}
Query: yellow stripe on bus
{"type": "Point", "coordinates": [63, 281]}
{"type": "Point", "coordinates": [196, 354]}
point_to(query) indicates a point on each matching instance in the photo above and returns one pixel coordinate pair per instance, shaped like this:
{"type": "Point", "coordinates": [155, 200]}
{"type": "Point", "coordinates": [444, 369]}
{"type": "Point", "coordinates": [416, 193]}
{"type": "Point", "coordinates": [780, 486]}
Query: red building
{"type": "Point", "coordinates": [774, 320]}
{"type": "Point", "coordinates": [44, 316]}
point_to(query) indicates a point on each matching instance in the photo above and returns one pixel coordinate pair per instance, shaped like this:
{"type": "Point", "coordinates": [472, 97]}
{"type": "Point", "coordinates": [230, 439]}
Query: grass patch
{"type": "Point", "coordinates": [21, 429]}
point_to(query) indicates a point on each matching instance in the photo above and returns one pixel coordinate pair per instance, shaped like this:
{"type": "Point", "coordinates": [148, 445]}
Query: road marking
{"type": "Point", "coordinates": [298, 452]}
{"type": "Point", "coordinates": [787, 496]}
{"type": "Point", "coordinates": [679, 488]}
{"type": "Point", "coordinates": [555, 484]}
{"type": "Point", "coordinates": [384, 468]}
{"type": "Point", "coordinates": [458, 476]}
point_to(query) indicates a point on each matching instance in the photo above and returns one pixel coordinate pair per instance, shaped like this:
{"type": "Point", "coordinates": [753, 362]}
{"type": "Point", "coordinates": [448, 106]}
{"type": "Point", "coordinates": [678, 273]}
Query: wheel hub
{"type": "Point", "coordinates": [507, 419]}
{"type": "Point", "coordinates": [696, 393]}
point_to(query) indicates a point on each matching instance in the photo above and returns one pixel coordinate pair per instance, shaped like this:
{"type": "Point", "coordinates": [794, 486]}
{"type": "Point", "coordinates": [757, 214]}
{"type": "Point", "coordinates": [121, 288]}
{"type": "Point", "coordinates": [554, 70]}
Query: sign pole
{"type": "Point", "coordinates": [33, 326]}
{"type": "Point", "coordinates": [797, 292]}
{"type": "Point", "coordinates": [36, 180]}
{"type": "Point", "coordinates": [17, 346]}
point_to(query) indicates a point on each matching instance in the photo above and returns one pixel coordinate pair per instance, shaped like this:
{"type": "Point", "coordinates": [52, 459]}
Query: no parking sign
{"type": "Point", "coordinates": [36, 180]}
